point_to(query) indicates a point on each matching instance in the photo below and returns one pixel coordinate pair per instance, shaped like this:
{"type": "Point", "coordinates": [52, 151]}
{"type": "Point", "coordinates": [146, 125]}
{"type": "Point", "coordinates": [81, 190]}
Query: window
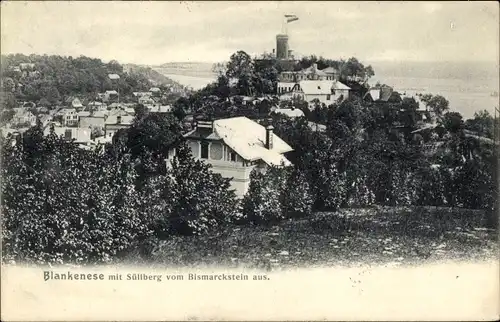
{"type": "Point", "coordinates": [232, 156]}
{"type": "Point", "coordinates": [204, 150]}
{"type": "Point", "coordinates": [328, 97]}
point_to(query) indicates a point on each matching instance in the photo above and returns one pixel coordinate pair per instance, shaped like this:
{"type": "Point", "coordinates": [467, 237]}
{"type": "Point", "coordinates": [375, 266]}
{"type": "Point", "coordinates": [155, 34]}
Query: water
{"type": "Point", "coordinates": [195, 82]}
{"type": "Point", "coordinates": [465, 96]}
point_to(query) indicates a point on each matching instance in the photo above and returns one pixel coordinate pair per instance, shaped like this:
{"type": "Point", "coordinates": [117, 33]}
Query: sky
{"type": "Point", "coordinates": [159, 32]}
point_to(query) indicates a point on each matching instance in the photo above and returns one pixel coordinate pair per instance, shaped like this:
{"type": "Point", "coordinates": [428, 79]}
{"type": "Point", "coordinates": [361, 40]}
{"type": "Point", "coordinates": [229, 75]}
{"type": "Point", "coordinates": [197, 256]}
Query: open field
{"type": "Point", "coordinates": [392, 236]}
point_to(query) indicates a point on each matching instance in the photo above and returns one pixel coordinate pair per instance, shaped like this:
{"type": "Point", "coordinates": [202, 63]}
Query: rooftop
{"type": "Point", "coordinates": [247, 138]}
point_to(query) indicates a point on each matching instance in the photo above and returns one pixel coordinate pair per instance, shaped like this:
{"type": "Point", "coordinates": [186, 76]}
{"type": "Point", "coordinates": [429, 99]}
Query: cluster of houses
{"type": "Point", "coordinates": [95, 122]}
{"type": "Point", "coordinates": [25, 70]}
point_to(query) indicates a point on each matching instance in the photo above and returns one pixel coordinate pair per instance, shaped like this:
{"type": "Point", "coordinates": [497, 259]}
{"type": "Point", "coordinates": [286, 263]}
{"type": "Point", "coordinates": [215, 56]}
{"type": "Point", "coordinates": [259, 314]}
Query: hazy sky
{"type": "Point", "coordinates": [158, 32]}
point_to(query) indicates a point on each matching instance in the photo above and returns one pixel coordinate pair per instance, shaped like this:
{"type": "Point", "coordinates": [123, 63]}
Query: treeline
{"type": "Point", "coordinates": [361, 160]}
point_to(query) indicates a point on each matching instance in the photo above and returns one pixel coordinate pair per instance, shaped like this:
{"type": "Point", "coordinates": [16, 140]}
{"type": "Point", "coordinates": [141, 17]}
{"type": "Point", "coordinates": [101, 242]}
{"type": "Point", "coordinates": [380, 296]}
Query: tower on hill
{"type": "Point", "coordinates": [282, 46]}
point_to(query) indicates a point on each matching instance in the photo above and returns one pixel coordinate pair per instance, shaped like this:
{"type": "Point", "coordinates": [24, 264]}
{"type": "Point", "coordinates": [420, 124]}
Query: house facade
{"type": "Point", "coordinates": [325, 91]}
{"type": "Point", "coordinates": [116, 122]}
{"type": "Point", "coordinates": [23, 117]}
{"type": "Point", "coordinates": [70, 117]}
{"type": "Point", "coordinates": [234, 147]}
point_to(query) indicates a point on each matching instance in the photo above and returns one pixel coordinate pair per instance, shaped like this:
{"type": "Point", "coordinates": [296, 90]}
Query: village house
{"type": "Point", "coordinates": [26, 66]}
{"type": "Point", "coordinates": [234, 147]}
{"type": "Point", "coordinates": [95, 106]}
{"type": "Point", "coordinates": [92, 120]}
{"type": "Point", "coordinates": [382, 94]}
{"type": "Point", "coordinates": [155, 91]}
{"type": "Point", "coordinates": [145, 100]}
{"type": "Point", "coordinates": [110, 96]}
{"type": "Point", "coordinates": [325, 91]}
{"type": "Point", "coordinates": [23, 117]}
{"type": "Point", "coordinates": [69, 116]}
{"type": "Point", "coordinates": [158, 108]}
{"type": "Point", "coordinates": [74, 134]}
{"type": "Point", "coordinates": [288, 79]}
{"type": "Point", "coordinates": [115, 122]}
{"type": "Point", "coordinates": [331, 73]}
{"type": "Point", "coordinates": [290, 112]}
{"type": "Point", "coordinates": [74, 102]}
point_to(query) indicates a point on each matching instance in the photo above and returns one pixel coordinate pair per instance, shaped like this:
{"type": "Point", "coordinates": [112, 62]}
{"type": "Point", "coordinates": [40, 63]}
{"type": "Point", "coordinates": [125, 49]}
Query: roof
{"type": "Point", "coordinates": [383, 93]}
{"type": "Point", "coordinates": [79, 134]}
{"type": "Point", "coordinates": [83, 113]}
{"type": "Point", "coordinates": [313, 70]}
{"type": "Point", "coordinates": [330, 70]}
{"type": "Point", "coordinates": [111, 92]}
{"type": "Point", "coordinates": [340, 86]}
{"type": "Point", "coordinates": [318, 87]}
{"type": "Point", "coordinates": [76, 102]}
{"type": "Point", "coordinates": [125, 119]}
{"type": "Point", "coordinates": [67, 110]}
{"type": "Point", "coordinates": [154, 89]}
{"type": "Point", "coordinates": [114, 76]}
{"type": "Point", "coordinates": [290, 112]}
{"type": "Point", "coordinates": [159, 108]}
{"type": "Point", "coordinates": [247, 138]}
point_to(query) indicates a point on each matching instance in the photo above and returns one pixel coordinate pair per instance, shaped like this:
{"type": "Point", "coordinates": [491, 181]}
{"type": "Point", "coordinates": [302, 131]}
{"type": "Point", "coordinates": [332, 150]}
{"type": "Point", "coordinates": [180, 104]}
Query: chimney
{"type": "Point", "coordinates": [205, 126]}
{"type": "Point", "coordinates": [315, 67]}
{"type": "Point", "coordinates": [269, 136]}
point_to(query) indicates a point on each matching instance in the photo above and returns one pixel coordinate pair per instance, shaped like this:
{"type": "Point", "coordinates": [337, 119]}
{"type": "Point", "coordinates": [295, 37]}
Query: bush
{"type": "Point", "coordinates": [297, 198]}
{"type": "Point", "coordinates": [200, 199]}
{"type": "Point", "coordinates": [63, 204]}
{"type": "Point", "coordinates": [263, 202]}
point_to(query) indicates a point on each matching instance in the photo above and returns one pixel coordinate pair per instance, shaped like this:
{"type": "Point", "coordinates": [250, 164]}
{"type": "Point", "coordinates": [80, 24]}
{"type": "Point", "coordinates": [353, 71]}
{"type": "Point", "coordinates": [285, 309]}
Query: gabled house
{"type": "Point", "coordinates": [115, 122]}
{"type": "Point", "coordinates": [145, 100]}
{"type": "Point", "coordinates": [109, 96]}
{"type": "Point", "coordinates": [157, 108]}
{"type": "Point", "coordinates": [382, 94]}
{"type": "Point", "coordinates": [290, 112]}
{"type": "Point", "coordinates": [73, 102]}
{"type": "Point", "coordinates": [326, 91]}
{"type": "Point", "coordinates": [331, 73]}
{"type": "Point", "coordinates": [92, 120]}
{"type": "Point", "coordinates": [23, 117]}
{"type": "Point", "coordinates": [77, 135]}
{"type": "Point", "coordinates": [155, 91]}
{"type": "Point", "coordinates": [69, 116]}
{"type": "Point", "coordinates": [234, 147]}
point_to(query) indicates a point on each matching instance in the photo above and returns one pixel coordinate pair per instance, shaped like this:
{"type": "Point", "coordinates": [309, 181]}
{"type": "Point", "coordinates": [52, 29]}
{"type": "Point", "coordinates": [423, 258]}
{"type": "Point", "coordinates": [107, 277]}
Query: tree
{"type": "Point", "coordinates": [7, 101]}
{"type": "Point", "coordinates": [241, 67]}
{"type": "Point", "coordinates": [453, 122]}
{"type": "Point", "coordinates": [482, 123]}
{"type": "Point", "coordinates": [201, 200]}
{"type": "Point", "coordinates": [436, 103]}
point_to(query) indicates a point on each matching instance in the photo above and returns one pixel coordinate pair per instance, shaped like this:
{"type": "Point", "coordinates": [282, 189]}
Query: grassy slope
{"type": "Point", "coordinates": [346, 237]}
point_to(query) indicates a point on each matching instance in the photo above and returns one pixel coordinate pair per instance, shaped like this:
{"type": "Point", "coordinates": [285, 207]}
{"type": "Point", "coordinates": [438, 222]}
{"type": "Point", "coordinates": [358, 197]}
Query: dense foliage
{"type": "Point", "coordinates": [63, 204]}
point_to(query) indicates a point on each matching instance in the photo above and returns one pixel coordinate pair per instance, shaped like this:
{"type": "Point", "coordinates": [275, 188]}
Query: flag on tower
{"type": "Point", "coordinates": [291, 18]}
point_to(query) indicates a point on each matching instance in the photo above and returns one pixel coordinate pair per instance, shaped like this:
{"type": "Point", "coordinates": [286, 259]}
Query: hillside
{"type": "Point", "coordinates": [50, 80]}
{"type": "Point", "coordinates": [155, 77]}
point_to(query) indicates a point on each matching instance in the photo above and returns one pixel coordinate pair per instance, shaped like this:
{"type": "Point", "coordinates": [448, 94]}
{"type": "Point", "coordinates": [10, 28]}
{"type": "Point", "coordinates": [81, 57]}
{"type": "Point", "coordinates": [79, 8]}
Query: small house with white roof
{"type": "Point", "coordinates": [234, 147]}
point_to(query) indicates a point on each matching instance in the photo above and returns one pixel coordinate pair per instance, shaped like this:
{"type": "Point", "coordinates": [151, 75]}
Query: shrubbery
{"type": "Point", "coordinates": [280, 192]}
{"type": "Point", "coordinates": [62, 204]}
